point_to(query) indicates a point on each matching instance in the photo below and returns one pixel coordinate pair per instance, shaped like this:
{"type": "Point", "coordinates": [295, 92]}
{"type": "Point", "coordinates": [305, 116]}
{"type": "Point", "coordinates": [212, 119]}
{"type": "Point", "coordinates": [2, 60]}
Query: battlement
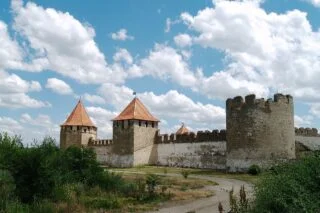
{"type": "Point", "coordinates": [191, 137]}
{"type": "Point", "coordinates": [311, 132]}
{"type": "Point", "coordinates": [237, 103]}
{"type": "Point", "coordinates": [100, 142]}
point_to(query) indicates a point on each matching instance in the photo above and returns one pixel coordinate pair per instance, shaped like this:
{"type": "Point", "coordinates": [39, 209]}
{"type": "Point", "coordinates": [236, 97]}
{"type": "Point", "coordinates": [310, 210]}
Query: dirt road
{"type": "Point", "coordinates": [208, 205]}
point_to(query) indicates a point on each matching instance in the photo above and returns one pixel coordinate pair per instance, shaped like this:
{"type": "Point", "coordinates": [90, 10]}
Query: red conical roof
{"type": "Point", "coordinates": [135, 111]}
{"type": "Point", "coordinates": [78, 117]}
{"type": "Point", "coordinates": [182, 130]}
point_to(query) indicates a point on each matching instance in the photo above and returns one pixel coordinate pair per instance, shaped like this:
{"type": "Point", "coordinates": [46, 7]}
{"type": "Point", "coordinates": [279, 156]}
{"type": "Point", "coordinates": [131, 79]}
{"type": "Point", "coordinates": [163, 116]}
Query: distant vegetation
{"type": "Point", "coordinates": [287, 188]}
{"type": "Point", "coordinates": [44, 178]}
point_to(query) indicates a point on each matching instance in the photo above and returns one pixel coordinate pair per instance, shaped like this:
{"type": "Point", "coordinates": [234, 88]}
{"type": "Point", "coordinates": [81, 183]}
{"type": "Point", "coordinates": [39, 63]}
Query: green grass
{"type": "Point", "coordinates": [175, 170]}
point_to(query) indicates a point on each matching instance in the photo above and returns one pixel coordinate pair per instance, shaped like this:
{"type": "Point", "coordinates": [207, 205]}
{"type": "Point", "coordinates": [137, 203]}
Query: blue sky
{"type": "Point", "coordinates": [183, 58]}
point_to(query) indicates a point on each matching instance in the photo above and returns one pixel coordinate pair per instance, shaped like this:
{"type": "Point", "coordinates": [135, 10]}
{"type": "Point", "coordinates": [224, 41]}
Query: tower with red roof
{"type": "Point", "coordinates": [134, 133]}
{"type": "Point", "coordinates": [78, 128]}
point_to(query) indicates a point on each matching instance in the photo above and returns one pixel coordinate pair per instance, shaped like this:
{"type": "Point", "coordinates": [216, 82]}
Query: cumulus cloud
{"type": "Point", "coordinates": [58, 86]}
{"type": "Point", "coordinates": [102, 118]}
{"type": "Point", "coordinates": [61, 43]}
{"type": "Point", "coordinates": [171, 105]}
{"type": "Point", "coordinates": [169, 24]}
{"type": "Point", "coordinates": [303, 121]}
{"type": "Point", "coordinates": [315, 3]}
{"type": "Point", "coordinates": [123, 55]}
{"type": "Point", "coordinates": [30, 128]}
{"type": "Point", "coordinates": [94, 99]}
{"type": "Point", "coordinates": [9, 125]}
{"type": "Point", "coordinates": [183, 40]}
{"type": "Point", "coordinates": [166, 63]}
{"type": "Point", "coordinates": [121, 35]}
{"type": "Point", "coordinates": [13, 92]}
{"type": "Point", "coordinates": [266, 52]}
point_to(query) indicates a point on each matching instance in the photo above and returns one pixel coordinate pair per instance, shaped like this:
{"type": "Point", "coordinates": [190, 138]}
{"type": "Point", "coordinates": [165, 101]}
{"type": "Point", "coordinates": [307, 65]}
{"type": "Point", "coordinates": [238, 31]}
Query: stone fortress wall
{"type": "Point", "coordinates": [258, 132]}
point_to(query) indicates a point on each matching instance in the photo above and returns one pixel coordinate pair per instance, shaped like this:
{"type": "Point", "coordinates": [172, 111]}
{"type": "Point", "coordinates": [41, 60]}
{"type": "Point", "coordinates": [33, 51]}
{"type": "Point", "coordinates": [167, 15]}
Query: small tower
{"type": "Point", "coordinates": [182, 130]}
{"type": "Point", "coordinates": [134, 133]}
{"type": "Point", "coordinates": [77, 129]}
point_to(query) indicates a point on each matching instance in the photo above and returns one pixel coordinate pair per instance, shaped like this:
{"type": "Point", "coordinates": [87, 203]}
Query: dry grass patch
{"type": "Point", "coordinates": [179, 188]}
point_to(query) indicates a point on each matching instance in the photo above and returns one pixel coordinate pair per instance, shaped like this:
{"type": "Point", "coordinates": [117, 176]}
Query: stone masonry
{"type": "Point", "coordinates": [258, 132]}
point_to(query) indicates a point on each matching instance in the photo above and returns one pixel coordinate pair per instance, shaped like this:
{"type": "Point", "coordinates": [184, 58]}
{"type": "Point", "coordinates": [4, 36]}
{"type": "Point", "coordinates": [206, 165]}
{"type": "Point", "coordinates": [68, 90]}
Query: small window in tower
{"type": "Point", "coordinates": [146, 123]}
{"type": "Point", "coordinates": [139, 123]}
{"type": "Point", "coordinates": [152, 124]}
{"type": "Point", "coordinates": [78, 127]}
{"type": "Point", "coordinates": [122, 124]}
{"type": "Point", "coordinates": [85, 130]}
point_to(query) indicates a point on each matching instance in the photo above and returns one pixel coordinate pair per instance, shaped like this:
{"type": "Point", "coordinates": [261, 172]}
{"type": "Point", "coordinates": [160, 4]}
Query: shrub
{"type": "Point", "coordinates": [254, 170]}
{"type": "Point", "coordinates": [185, 173]}
{"type": "Point", "coordinates": [152, 181]}
{"type": "Point", "coordinates": [290, 187]}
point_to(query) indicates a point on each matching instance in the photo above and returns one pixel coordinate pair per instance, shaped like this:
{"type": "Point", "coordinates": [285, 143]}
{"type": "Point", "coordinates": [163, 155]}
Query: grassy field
{"type": "Point", "coordinates": [174, 170]}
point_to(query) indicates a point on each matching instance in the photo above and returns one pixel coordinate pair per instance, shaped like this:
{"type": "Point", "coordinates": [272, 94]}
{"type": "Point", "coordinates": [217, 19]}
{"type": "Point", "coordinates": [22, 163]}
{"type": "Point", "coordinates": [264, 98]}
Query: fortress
{"type": "Point", "coordinates": [257, 131]}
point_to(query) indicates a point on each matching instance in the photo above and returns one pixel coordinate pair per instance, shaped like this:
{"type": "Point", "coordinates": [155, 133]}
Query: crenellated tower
{"type": "Point", "coordinates": [134, 134]}
{"type": "Point", "coordinates": [78, 128]}
{"type": "Point", "coordinates": [258, 131]}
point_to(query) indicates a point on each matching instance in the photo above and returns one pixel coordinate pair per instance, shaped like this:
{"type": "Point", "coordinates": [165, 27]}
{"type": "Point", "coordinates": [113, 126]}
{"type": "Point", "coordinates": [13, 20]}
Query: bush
{"type": "Point", "coordinates": [290, 187]}
{"type": "Point", "coordinates": [254, 170]}
{"type": "Point", "coordinates": [185, 173]}
{"type": "Point", "coordinates": [152, 181]}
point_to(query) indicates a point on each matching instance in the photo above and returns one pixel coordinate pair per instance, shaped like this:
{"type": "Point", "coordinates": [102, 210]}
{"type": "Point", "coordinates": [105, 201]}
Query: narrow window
{"type": "Point", "coordinates": [122, 124]}
{"type": "Point", "coordinates": [146, 123]}
{"type": "Point", "coordinates": [139, 123]}
{"type": "Point", "coordinates": [152, 124]}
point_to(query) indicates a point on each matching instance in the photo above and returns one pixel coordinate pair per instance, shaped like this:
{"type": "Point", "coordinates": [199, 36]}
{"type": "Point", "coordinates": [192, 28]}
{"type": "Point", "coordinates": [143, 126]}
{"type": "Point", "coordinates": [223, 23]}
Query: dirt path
{"type": "Point", "coordinates": [206, 205]}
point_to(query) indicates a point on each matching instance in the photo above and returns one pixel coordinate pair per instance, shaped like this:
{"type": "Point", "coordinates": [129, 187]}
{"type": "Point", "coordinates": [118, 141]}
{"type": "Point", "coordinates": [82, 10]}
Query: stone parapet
{"type": "Point", "coordinates": [238, 103]}
{"type": "Point", "coordinates": [191, 137]}
{"type": "Point", "coordinates": [312, 132]}
{"type": "Point", "coordinates": [100, 142]}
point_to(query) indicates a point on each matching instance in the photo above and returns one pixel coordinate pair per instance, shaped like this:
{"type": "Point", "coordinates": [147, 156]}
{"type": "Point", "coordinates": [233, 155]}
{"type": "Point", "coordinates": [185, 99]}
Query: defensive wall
{"type": "Point", "coordinates": [258, 131]}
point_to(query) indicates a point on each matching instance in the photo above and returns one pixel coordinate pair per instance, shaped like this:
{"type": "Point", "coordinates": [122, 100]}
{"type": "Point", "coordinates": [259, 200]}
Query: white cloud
{"type": "Point", "coordinates": [171, 105]}
{"type": "Point", "coordinates": [121, 35]}
{"type": "Point", "coordinates": [58, 41]}
{"type": "Point", "coordinates": [10, 54]}
{"type": "Point", "coordinates": [303, 121]}
{"type": "Point", "coordinates": [165, 62]}
{"type": "Point", "coordinates": [40, 121]}
{"type": "Point", "coordinates": [169, 24]}
{"type": "Point", "coordinates": [123, 55]}
{"type": "Point", "coordinates": [30, 128]}
{"type": "Point", "coordinates": [265, 52]}
{"type": "Point", "coordinates": [58, 86]}
{"type": "Point", "coordinates": [13, 92]}
{"type": "Point", "coordinates": [315, 3]}
{"type": "Point", "coordinates": [102, 118]}
{"type": "Point", "coordinates": [94, 99]}
{"type": "Point", "coordinates": [9, 125]}
{"type": "Point", "coordinates": [183, 40]}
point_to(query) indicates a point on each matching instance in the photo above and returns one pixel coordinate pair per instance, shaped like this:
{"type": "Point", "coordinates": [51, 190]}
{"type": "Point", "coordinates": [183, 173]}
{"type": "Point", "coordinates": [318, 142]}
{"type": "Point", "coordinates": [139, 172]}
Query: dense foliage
{"type": "Point", "coordinates": [291, 187]}
{"type": "Point", "coordinates": [44, 178]}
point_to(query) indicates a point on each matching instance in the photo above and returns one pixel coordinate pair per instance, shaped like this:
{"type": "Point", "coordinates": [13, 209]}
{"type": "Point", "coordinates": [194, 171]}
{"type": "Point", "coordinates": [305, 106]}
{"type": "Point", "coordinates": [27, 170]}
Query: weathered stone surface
{"type": "Point", "coordinates": [76, 136]}
{"type": "Point", "coordinates": [259, 132]}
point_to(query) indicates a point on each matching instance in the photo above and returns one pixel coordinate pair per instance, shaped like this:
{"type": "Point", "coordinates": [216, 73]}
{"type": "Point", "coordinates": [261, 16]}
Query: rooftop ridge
{"type": "Point", "coordinates": [135, 110]}
{"type": "Point", "coordinates": [78, 117]}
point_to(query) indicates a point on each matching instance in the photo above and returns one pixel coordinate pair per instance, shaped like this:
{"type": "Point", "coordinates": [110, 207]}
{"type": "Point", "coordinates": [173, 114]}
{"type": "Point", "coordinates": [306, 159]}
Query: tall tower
{"type": "Point", "coordinates": [77, 129]}
{"type": "Point", "coordinates": [134, 133]}
{"type": "Point", "coordinates": [259, 132]}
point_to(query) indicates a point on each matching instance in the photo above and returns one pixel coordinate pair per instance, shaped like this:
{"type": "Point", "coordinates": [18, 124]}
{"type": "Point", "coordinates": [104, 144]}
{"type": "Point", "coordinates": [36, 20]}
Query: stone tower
{"type": "Point", "coordinates": [77, 129]}
{"type": "Point", "coordinates": [134, 134]}
{"type": "Point", "coordinates": [259, 132]}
